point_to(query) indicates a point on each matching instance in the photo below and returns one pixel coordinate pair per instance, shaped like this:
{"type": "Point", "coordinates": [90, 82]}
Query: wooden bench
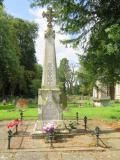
{"type": "Point", "coordinates": [12, 129]}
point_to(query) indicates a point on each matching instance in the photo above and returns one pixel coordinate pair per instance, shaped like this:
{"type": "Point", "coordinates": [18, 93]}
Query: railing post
{"type": "Point", "coordinates": [51, 139]}
{"type": "Point", "coordinates": [21, 115]}
{"type": "Point", "coordinates": [97, 132]}
{"type": "Point", "coordinates": [9, 138]}
{"type": "Point", "coordinates": [16, 129]}
{"type": "Point", "coordinates": [85, 122]}
{"type": "Point", "coordinates": [77, 117]}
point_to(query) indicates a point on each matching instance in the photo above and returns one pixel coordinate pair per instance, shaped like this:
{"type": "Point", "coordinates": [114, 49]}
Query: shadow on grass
{"type": "Point", "coordinates": [114, 118]}
{"type": "Point", "coordinates": [7, 107]}
{"type": "Point", "coordinates": [32, 106]}
{"type": "Point", "coordinates": [13, 107]}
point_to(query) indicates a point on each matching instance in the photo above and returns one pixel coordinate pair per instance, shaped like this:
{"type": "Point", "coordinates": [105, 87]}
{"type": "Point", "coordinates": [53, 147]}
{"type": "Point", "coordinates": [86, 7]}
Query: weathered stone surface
{"type": "Point", "coordinates": [101, 95]}
{"type": "Point", "coordinates": [49, 94]}
{"type": "Point", "coordinates": [50, 108]}
{"type": "Point", "coordinates": [117, 91]}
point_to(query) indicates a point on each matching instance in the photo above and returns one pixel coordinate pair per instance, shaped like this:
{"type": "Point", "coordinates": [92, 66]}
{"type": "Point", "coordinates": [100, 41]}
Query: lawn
{"type": "Point", "coordinates": [9, 112]}
{"type": "Point", "coordinates": [108, 113]}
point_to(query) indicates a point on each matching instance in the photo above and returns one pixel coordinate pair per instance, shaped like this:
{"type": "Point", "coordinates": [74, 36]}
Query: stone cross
{"type": "Point", "coordinates": [49, 15]}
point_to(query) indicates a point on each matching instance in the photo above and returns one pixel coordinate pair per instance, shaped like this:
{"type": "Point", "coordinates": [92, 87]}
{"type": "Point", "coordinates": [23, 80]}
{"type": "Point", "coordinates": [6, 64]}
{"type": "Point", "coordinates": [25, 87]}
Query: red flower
{"type": "Point", "coordinates": [14, 123]}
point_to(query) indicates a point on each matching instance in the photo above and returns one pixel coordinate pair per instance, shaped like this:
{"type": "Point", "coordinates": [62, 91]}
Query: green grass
{"type": "Point", "coordinates": [9, 112]}
{"type": "Point", "coordinates": [107, 113]}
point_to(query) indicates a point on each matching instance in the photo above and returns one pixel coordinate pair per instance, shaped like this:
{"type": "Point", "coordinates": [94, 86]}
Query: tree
{"type": "Point", "coordinates": [1, 2]}
{"type": "Point", "coordinates": [37, 81]}
{"type": "Point", "coordinates": [17, 55]}
{"type": "Point", "coordinates": [79, 17]}
{"type": "Point", "coordinates": [102, 60]}
{"type": "Point", "coordinates": [72, 79]}
{"type": "Point", "coordinates": [95, 18]}
{"type": "Point", "coordinates": [63, 75]}
{"type": "Point", "coordinates": [85, 81]}
{"type": "Point", "coordinates": [9, 59]}
{"type": "Point", "coordinates": [26, 33]}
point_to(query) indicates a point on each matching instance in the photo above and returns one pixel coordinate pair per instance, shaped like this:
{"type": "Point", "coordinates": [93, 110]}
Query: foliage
{"type": "Point", "coordinates": [102, 60]}
{"type": "Point", "coordinates": [99, 20]}
{"type": "Point", "coordinates": [26, 33]}
{"type": "Point", "coordinates": [9, 60]}
{"type": "Point", "coordinates": [85, 81]}
{"type": "Point", "coordinates": [67, 76]}
{"type": "Point", "coordinates": [1, 2]}
{"type": "Point", "coordinates": [36, 82]}
{"type": "Point", "coordinates": [74, 81]}
{"type": "Point", "coordinates": [67, 80]}
{"type": "Point", "coordinates": [113, 46]}
{"type": "Point", "coordinates": [78, 17]}
{"type": "Point", "coordinates": [63, 71]}
{"type": "Point", "coordinates": [17, 56]}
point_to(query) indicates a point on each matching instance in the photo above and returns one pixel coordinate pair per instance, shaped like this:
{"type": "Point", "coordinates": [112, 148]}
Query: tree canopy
{"type": "Point", "coordinates": [1, 2]}
{"type": "Point", "coordinates": [78, 17]}
{"type": "Point", "coordinates": [17, 56]}
{"type": "Point", "coordinates": [103, 55]}
{"type": "Point", "coordinates": [100, 21]}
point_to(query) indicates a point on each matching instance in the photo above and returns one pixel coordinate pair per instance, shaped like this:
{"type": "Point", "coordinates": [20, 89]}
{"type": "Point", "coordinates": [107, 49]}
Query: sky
{"type": "Point", "coordinates": [21, 9]}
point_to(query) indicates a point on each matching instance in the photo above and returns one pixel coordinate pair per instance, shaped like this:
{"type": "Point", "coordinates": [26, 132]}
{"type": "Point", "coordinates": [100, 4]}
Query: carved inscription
{"type": "Point", "coordinates": [50, 111]}
{"type": "Point", "coordinates": [50, 75]}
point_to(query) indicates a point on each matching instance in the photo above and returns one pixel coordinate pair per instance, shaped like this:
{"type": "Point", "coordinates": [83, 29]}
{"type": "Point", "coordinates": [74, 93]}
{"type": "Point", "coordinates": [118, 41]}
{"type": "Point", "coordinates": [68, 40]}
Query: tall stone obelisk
{"type": "Point", "coordinates": [49, 94]}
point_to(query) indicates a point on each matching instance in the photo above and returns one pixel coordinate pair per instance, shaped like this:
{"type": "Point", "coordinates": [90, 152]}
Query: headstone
{"type": "Point", "coordinates": [13, 101]}
{"type": "Point", "coordinates": [21, 104]}
{"type": "Point", "coordinates": [100, 94]}
{"type": "Point", "coordinates": [4, 102]}
{"type": "Point", "coordinates": [117, 92]}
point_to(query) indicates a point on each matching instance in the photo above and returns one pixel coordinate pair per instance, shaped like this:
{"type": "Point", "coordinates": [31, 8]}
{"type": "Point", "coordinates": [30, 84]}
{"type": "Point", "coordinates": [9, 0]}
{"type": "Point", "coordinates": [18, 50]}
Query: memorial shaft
{"type": "Point", "coordinates": [48, 98]}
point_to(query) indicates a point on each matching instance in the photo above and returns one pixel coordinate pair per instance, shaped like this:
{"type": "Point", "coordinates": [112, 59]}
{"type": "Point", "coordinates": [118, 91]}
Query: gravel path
{"type": "Point", "coordinates": [80, 147]}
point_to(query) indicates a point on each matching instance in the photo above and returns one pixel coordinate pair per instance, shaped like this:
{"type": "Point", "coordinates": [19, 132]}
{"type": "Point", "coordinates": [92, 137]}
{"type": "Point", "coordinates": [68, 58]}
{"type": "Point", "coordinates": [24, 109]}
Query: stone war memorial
{"type": "Point", "coordinates": [49, 94]}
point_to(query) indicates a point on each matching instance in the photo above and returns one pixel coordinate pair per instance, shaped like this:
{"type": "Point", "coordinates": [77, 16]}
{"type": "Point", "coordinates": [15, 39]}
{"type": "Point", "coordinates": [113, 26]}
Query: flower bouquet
{"type": "Point", "coordinates": [49, 130]}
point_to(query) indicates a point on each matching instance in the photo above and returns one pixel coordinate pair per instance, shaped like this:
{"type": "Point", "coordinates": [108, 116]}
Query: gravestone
{"type": "Point", "coordinates": [4, 102]}
{"type": "Point", "coordinates": [49, 94]}
{"type": "Point", "coordinates": [101, 95]}
{"type": "Point", "coordinates": [117, 92]}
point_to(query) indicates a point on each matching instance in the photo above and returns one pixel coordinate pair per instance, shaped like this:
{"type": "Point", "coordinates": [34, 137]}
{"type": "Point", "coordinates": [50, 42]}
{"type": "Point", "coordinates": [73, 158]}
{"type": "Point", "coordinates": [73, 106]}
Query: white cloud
{"type": "Point", "coordinates": [61, 50]}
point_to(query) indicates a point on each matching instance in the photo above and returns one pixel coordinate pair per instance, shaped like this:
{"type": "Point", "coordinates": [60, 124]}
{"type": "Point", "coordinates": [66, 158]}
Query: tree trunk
{"type": "Point", "coordinates": [112, 92]}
